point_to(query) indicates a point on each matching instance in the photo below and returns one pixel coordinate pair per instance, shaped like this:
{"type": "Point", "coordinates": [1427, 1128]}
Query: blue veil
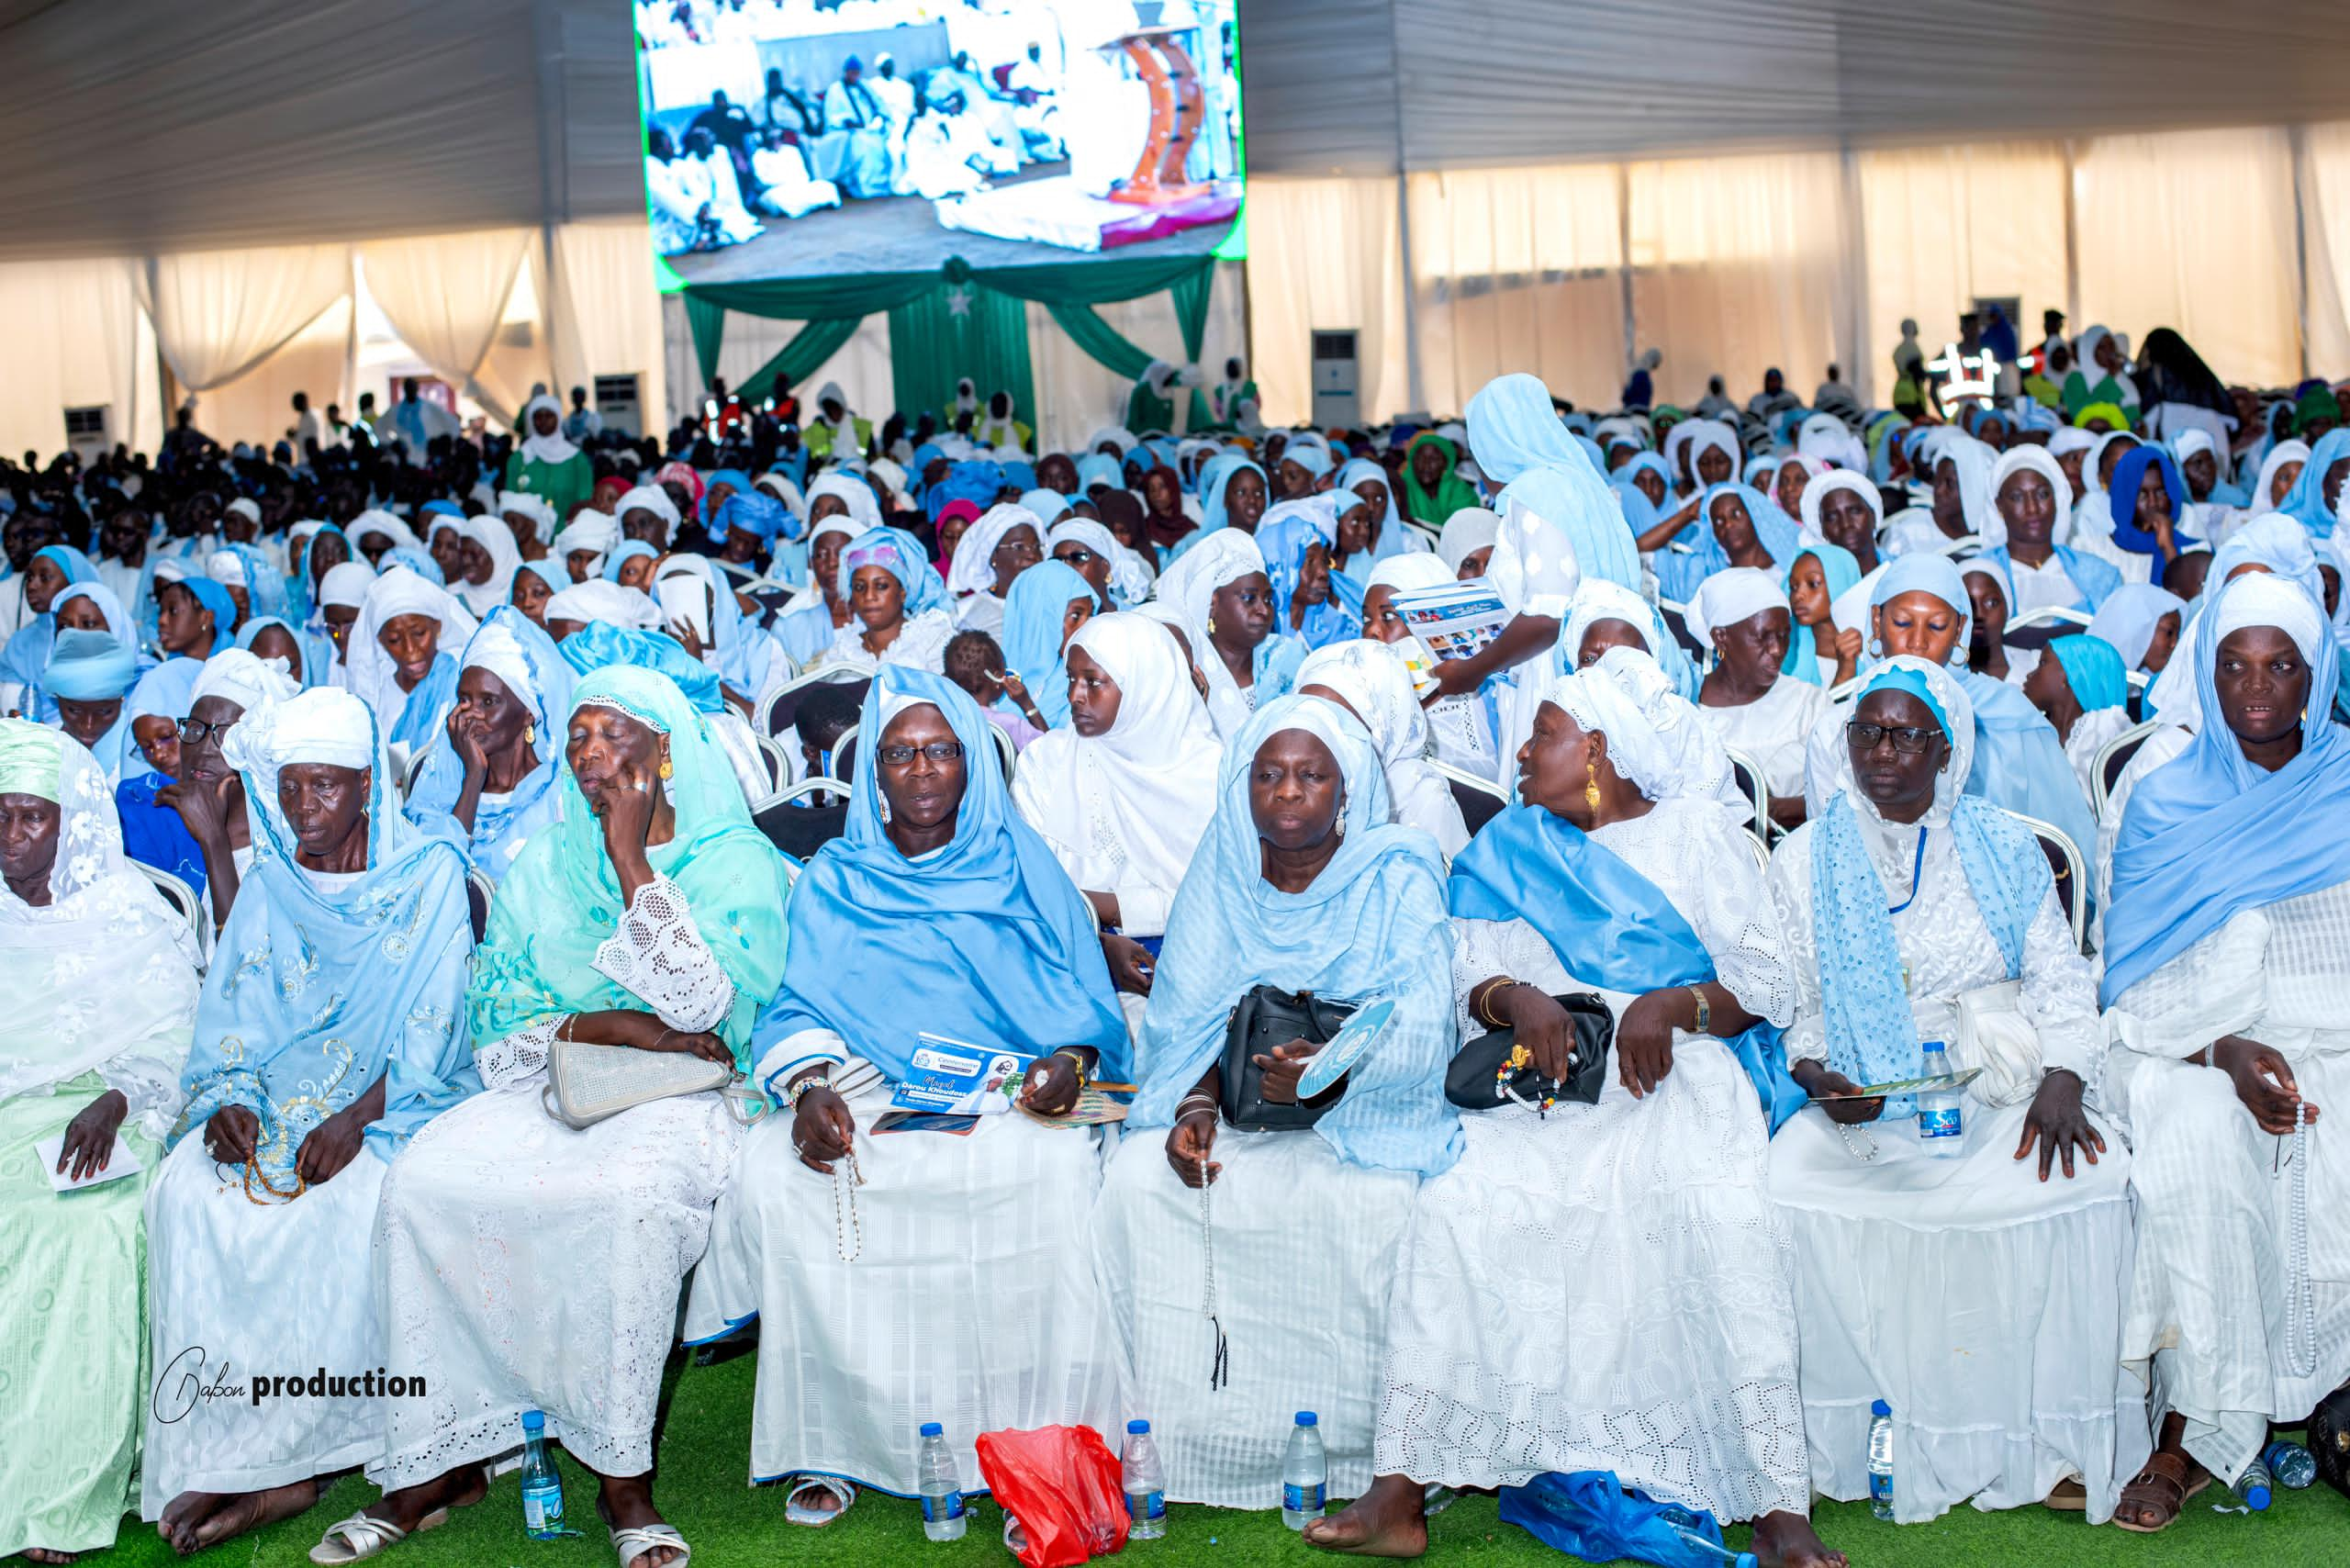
{"type": "Point", "coordinates": [1519, 444]}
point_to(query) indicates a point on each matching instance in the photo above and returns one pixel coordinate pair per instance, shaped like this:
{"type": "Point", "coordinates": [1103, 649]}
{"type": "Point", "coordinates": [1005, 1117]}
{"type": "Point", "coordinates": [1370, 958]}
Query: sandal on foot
{"type": "Point", "coordinates": [2067, 1497]}
{"type": "Point", "coordinates": [639, 1540]}
{"type": "Point", "coordinates": [358, 1537]}
{"type": "Point", "coordinates": [843, 1494]}
{"type": "Point", "coordinates": [2168, 1472]}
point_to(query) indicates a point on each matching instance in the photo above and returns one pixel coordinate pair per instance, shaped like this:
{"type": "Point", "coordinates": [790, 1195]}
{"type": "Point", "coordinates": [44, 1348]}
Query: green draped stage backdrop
{"type": "Point", "coordinates": [959, 320]}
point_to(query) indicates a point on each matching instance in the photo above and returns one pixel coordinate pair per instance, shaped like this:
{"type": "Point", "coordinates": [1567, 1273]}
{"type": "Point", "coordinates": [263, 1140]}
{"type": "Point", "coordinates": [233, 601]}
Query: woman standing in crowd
{"type": "Point", "coordinates": [74, 1361]}
{"type": "Point", "coordinates": [1303, 884]}
{"type": "Point", "coordinates": [910, 1276]}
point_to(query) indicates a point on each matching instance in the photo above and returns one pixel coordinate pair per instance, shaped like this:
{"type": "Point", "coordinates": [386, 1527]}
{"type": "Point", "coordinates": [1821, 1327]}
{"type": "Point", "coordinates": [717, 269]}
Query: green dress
{"type": "Point", "coordinates": [72, 1333]}
{"type": "Point", "coordinates": [566, 485]}
{"type": "Point", "coordinates": [1147, 410]}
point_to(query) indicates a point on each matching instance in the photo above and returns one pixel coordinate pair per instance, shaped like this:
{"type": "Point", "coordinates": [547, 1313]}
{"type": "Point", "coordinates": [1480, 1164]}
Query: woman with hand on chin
{"type": "Point", "coordinates": [491, 780]}
{"type": "Point", "coordinates": [2224, 977]}
{"type": "Point", "coordinates": [1907, 907]}
{"type": "Point", "coordinates": [329, 1032]}
{"type": "Point", "coordinates": [1301, 884]}
{"type": "Point", "coordinates": [912, 1277]}
{"type": "Point", "coordinates": [105, 1079]}
{"type": "Point", "coordinates": [649, 914]}
{"type": "Point", "coordinates": [1591, 1223]}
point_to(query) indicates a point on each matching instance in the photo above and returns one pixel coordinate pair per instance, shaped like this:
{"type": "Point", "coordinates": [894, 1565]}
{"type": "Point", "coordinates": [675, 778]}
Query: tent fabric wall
{"type": "Point", "coordinates": [259, 405]}
{"type": "Point", "coordinates": [1323, 252]}
{"type": "Point", "coordinates": [446, 293]}
{"type": "Point", "coordinates": [602, 312]}
{"type": "Point", "coordinates": [2322, 180]}
{"type": "Point", "coordinates": [76, 339]}
{"type": "Point", "coordinates": [218, 314]}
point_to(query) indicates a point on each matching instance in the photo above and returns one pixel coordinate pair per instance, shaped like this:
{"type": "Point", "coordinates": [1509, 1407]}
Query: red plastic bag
{"type": "Point", "coordinates": [1064, 1487]}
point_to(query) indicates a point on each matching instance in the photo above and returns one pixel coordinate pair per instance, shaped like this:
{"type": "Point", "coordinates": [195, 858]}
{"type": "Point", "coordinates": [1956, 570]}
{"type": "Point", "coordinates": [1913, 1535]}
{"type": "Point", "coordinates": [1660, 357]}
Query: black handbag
{"type": "Point", "coordinates": [2329, 1437]}
{"type": "Point", "coordinates": [1491, 1071]}
{"type": "Point", "coordinates": [1263, 1018]}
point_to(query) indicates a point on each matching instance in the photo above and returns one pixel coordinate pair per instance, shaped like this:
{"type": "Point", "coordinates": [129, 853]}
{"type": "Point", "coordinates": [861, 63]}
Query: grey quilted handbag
{"type": "Point", "coordinates": [587, 1083]}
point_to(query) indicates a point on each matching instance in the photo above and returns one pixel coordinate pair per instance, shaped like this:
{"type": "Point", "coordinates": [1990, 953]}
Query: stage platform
{"type": "Point", "coordinates": [1056, 212]}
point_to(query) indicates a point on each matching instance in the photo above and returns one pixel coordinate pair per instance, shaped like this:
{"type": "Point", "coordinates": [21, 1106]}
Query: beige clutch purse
{"type": "Point", "coordinates": [588, 1083]}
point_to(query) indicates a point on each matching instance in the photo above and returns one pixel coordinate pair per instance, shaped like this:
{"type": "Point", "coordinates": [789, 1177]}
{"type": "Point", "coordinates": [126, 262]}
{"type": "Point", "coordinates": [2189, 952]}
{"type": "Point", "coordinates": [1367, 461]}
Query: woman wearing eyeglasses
{"type": "Point", "coordinates": [1976, 1287]}
{"type": "Point", "coordinates": [902, 1277]}
{"type": "Point", "coordinates": [208, 795]}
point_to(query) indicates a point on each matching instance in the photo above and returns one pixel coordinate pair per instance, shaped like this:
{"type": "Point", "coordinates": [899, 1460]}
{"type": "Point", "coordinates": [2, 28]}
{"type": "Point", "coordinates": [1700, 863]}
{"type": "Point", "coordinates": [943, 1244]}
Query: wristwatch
{"type": "Point", "coordinates": [1705, 1012]}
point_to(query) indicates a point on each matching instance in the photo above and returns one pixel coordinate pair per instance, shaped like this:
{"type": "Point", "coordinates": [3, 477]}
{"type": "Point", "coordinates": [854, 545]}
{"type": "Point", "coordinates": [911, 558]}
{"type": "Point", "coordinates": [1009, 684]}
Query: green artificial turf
{"type": "Point", "coordinates": [704, 1458]}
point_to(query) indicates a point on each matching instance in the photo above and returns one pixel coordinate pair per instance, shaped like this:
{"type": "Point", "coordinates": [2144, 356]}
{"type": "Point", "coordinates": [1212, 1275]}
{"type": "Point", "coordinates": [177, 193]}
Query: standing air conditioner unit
{"type": "Point", "coordinates": [89, 431]}
{"type": "Point", "coordinates": [1338, 380]}
{"type": "Point", "coordinates": [619, 404]}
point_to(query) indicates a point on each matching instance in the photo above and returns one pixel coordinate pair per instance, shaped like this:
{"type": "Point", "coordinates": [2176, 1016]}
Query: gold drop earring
{"type": "Point", "coordinates": [1591, 787]}
{"type": "Point", "coordinates": [1211, 625]}
{"type": "Point", "coordinates": [530, 734]}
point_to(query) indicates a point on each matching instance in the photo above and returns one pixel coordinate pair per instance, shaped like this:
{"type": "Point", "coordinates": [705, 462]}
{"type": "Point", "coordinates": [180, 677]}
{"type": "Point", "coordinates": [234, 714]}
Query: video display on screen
{"type": "Point", "coordinates": [807, 138]}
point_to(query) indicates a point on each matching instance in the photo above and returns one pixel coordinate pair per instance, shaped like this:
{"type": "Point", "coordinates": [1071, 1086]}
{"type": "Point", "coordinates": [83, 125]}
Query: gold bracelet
{"type": "Point", "coordinates": [1705, 1012]}
{"type": "Point", "coordinates": [1075, 1062]}
{"type": "Point", "coordinates": [1484, 1008]}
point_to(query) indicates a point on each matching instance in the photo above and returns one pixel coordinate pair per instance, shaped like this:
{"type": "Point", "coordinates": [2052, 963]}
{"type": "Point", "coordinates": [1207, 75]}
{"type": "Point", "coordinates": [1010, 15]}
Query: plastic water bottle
{"type": "Point", "coordinates": [2293, 1466]}
{"type": "Point", "coordinates": [1941, 1131]}
{"type": "Point", "coordinates": [1691, 1529]}
{"type": "Point", "coordinates": [2257, 1487]}
{"type": "Point", "coordinates": [541, 1488]}
{"type": "Point", "coordinates": [1145, 1483]}
{"type": "Point", "coordinates": [941, 1487]}
{"type": "Point", "coordinates": [1305, 1474]}
{"type": "Point", "coordinates": [1881, 1460]}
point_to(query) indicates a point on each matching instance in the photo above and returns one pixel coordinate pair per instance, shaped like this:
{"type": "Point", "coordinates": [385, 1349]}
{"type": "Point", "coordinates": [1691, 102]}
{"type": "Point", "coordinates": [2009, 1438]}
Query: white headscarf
{"type": "Point", "coordinates": [2014, 461]}
{"type": "Point", "coordinates": [1190, 584]}
{"type": "Point", "coordinates": [345, 585]}
{"type": "Point", "coordinates": [384, 524]}
{"type": "Point", "coordinates": [653, 498]}
{"type": "Point", "coordinates": [1375, 683]}
{"type": "Point", "coordinates": [538, 448]}
{"type": "Point", "coordinates": [322, 725]}
{"type": "Point", "coordinates": [1465, 533]}
{"type": "Point", "coordinates": [1818, 492]}
{"type": "Point", "coordinates": [374, 677]}
{"type": "Point", "coordinates": [505, 559]}
{"type": "Point", "coordinates": [2263, 598]}
{"type": "Point", "coordinates": [2127, 618]}
{"type": "Point", "coordinates": [1731, 596]}
{"type": "Point", "coordinates": [537, 507]}
{"type": "Point", "coordinates": [1151, 783]}
{"type": "Point", "coordinates": [972, 569]}
{"type": "Point", "coordinates": [1704, 433]}
{"type": "Point", "coordinates": [593, 531]}
{"type": "Point", "coordinates": [496, 649]}
{"type": "Point", "coordinates": [1412, 569]}
{"type": "Point", "coordinates": [599, 600]}
{"type": "Point", "coordinates": [1826, 436]}
{"type": "Point", "coordinates": [1130, 575]}
{"type": "Point", "coordinates": [242, 678]}
{"type": "Point", "coordinates": [2284, 452]}
{"type": "Point", "coordinates": [863, 509]}
{"type": "Point", "coordinates": [1654, 737]}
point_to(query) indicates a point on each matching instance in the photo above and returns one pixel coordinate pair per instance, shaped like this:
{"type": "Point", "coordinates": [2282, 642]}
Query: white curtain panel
{"type": "Point", "coordinates": [1518, 269]}
{"type": "Point", "coordinates": [1324, 253]}
{"type": "Point", "coordinates": [1079, 394]}
{"type": "Point", "coordinates": [258, 405]}
{"type": "Point", "coordinates": [76, 339]}
{"type": "Point", "coordinates": [603, 311]}
{"type": "Point", "coordinates": [2323, 171]}
{"type": "Point", "coordinates": [2193, 230]}
{"type": "Point", "coordinates": [218, 314]}
{"type": "Point", "coordinates": [446, 294]}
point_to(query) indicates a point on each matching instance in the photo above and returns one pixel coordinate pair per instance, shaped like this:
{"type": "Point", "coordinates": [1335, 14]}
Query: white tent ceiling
{"type": "Point", "coordinates": [140, 125]}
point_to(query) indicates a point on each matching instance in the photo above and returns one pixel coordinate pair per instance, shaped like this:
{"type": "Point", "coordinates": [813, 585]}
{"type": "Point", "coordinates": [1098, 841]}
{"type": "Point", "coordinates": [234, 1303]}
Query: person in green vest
{"type": "Point", "coordinates": [2102, 375]}
{"type": "Point", "coordinates": [1235, 389]}
{"type": "Point", "coordinates": [823, 434]}
{"type": "Point", "coordinates": [546, 466]}
{"type": "Point", "coordinates": [1151, 407]}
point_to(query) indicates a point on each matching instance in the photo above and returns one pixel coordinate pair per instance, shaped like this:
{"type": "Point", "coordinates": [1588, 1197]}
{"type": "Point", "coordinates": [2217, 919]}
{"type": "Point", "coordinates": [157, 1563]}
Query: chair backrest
{"type": "Point", "coordinates": [1754, 786]}
{"type": "Point", "coordinates": [799, 831]}
{"type": "Point", "coordinates": [479, 890]}
{"type": "Point", "coordinates": [778, 761]}
{"type": "Point", "coordinates": [414, 771]}
{"type": "Point", "coordinates": [189, 904]}
{"type": "Point", "coordinates": [781, 706]}
{"type": "Point", "coordinates": [1762, 851]}
{"type": "Point", "coordinates": [2064, 863]}
{"type": "Point", "coordinates": [1005, 749]}
{"type": "Point", "coordinates": [2114, 757]}
{"type": "Point", "coordinates": [1676, 621]}
{"type": "Point", "coordinates": [1479, 799]}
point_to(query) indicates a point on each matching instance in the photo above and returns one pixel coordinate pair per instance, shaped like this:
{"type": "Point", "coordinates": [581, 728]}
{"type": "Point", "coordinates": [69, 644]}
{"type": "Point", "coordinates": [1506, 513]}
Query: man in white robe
{"type": "Point", "coordinates": [787, 188]}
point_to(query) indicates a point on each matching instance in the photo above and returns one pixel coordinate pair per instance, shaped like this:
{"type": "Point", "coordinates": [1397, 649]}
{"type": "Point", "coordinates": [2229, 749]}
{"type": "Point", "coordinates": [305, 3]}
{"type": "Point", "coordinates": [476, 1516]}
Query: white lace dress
{"type": "Point", "coordinates": [525, 1266]}
{"type": "Point", "coordinates": [1984, 1305]}
{"type": "Point", "coordinates": [2217, 1305]}
{"type": "Point", "coordinates": [1771, 731]}
{"type": "Point", "coordinates": [1607, 1287]}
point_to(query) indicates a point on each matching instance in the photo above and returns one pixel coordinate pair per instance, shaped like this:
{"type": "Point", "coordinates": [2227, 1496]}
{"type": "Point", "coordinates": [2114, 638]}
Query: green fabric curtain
{"type": "Point", "coordinates": [707, 321]}
{"type": "Point", "coordinates": [958, 330]}
{"type": "Point", "coordinates": [797, 360]}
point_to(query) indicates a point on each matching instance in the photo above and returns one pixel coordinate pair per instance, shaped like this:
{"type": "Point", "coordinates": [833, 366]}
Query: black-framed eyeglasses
{"type": "Point", "coordinates": [1075, 555]}
{"type": "Point", "coordinates": [1910, 740]}
{"type": "Point", "coordinates": [938, 751]}
{"type": "Point", "coordinates": [193, 731]}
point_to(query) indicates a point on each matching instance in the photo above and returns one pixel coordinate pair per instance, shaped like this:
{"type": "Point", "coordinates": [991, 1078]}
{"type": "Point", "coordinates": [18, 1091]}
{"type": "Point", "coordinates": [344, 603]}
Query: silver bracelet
{"type": "Point", "coordinates": [1204, 1102]}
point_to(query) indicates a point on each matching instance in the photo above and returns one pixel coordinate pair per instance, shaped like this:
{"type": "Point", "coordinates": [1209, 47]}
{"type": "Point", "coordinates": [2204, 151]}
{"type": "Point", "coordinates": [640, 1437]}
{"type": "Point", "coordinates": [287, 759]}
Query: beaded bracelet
{"type": "Point", "coordinates": [791, 1096]}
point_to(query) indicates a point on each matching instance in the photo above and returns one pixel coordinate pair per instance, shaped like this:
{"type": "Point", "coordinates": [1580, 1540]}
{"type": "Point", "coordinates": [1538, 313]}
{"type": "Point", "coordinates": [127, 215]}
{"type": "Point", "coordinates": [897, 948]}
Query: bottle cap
{"type": "Point", "coordinates": [534, 1421]}
{"type": "Point", "coordinates": [1307, 1418]}
{"type": "Point", "coordinates": [933, 1429]}
{"type": "Point", "coordinates": [1139, 1427]}
{"type": "Point", "coordinates": [1879, 1408]}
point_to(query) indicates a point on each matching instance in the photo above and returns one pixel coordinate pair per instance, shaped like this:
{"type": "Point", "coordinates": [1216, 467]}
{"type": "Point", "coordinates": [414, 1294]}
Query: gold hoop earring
{"type": "Point", "coordinates": [666, 771]}
{"type": "Point", "coordinates": [1591, 787]}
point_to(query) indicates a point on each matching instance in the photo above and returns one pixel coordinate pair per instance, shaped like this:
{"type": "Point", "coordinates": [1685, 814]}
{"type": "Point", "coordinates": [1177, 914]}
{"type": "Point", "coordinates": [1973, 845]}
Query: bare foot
{"type": "Point", "coordinates": [1787, 1540]}
{"type": "Point", "coordinates": [180, 1517]}
{"type": "Point", "coordinates": [625, 1502]}
{"type": "Point", "coordinates": [43, 1555]}
{"type": "Point", "coordinates": [1386, 1521]}
{"type": "Point", "coordinates": [248, 1511]}
{"type": "Point", "coordinates": [408, 1507]}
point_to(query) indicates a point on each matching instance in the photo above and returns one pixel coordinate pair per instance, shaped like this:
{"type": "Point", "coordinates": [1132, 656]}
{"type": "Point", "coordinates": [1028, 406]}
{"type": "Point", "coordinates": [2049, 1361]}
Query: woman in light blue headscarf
{"type": "Point", "coordinates": [1390, 535]}
{"type": "Point", "coordinates": [648, 916]}
{"type": "Point", "coordinates": [1901, 903]}
{"type": "Point", "coordinates": [1623, 832]}
{"type": "Point", "coordinates": [936, 935]}
{"type": "Point", "coordinates": [1643, 505]}
{"type": "Point", "coordinates": [246, 569]}
{"type": "Point", "coordinates": [271, 637]}
{"type": "Point", "coordinates": [1301, 467]}
{"type": "Point", "coordinates": [401, 659]}
{"type": "Point", "coordinates": [2225, 977]}
{"type": "Point", "coordinates": [1040, 617]}
{"type": "Point", "coordinates": [1603, 616]}
{"type": "Point", "coordinates": [1233, 493]}
{"type": "Point", "coordinates": [622, 555]}
{"type": "Point", "coordinates": [488, 781]}
{"type": "Point", "coordinates": [88, 675]}
{"type": "Point", "coordinates": [1098, 470]}
{"type": "Point", "coordinates": [900, 615]}
{"type": "Point", "coordinates": [1296, 538]}
{"type": "Point", "coordinates": [1520, 446]}
{"type": "Point", "coordinates": [1920, 606]}
{"type": "Point", "coordinates": [1301, 884]}
{"type": "Point", "coordinates": [1738, 525]}
{"type": "Point", "coordinates": [331, 1031]}
{"type": "Point", "coordinates": [1813, 577]}
{"type": "Point", "coordinates": [52, 570]}
{"type": "Point", "coordinates": [2315, 494]}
